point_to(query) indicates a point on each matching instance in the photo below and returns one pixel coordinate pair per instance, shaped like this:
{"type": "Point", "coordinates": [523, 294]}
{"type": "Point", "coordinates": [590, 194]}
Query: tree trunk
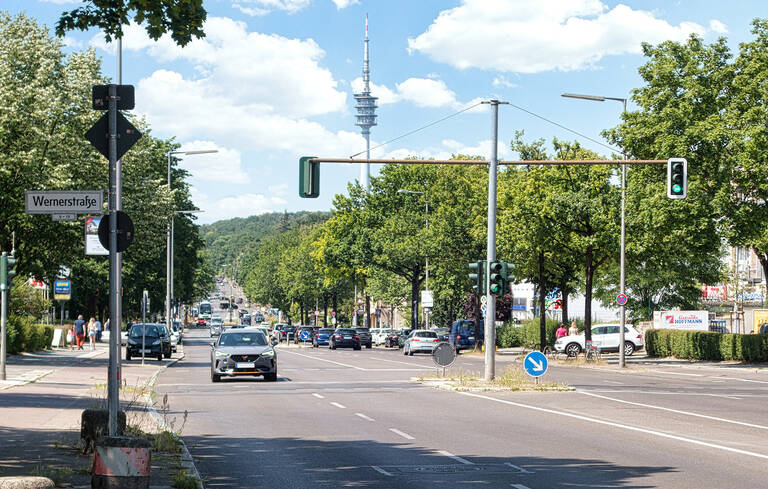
{"type": "Point", "coordinates": [415, 299]}
{"type": "Point", "coordinates": [335, 302]}
{"type": "Point", "coordinates": [763, 258]}
{"type": "Point", "coordinates": [564, 303]}
{"type": "Point", "coordinates": [301, 307]}
{"type": "Point", "coordinates": [542, 305]}
{"type": "Point", "coordinates": [325, 309]}
{"type": "Point", "coordinates": [588, 272]}
{"type": "Point", "coordinates": [367, 322]}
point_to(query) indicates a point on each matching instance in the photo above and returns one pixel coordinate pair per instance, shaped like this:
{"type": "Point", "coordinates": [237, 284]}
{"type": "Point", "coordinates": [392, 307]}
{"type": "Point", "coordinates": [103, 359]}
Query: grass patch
{"type": "Point", "coordinates": [165, 441]}
{"type": "Point", "coordinates": [58, 476]}
{"type": "Point", "coordinates": [182, 480]}
{"type": "Point", "coordinates": [513, 378]}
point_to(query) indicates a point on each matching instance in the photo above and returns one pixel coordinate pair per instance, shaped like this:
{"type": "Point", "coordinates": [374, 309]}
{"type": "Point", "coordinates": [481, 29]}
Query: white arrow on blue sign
{"type": "Point", "coordinates": [535, 364]}
{"type": "Point", "coordinates": [304, 335]}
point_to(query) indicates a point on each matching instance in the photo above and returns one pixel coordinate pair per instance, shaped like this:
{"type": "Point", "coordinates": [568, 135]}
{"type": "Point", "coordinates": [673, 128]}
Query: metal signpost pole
{"type": "Point", "coordinates": [3, 312]}
{"type": "Point", "coordinates": [169, 254]}
{"type": "Point", "coordinates": [490, 315]}
{"type": "Point", "coordinates": [113, 381]}
{"type": "Point", "coordinates": [622, 360]}
{"type": "Point", "coordinates": [143, 324]}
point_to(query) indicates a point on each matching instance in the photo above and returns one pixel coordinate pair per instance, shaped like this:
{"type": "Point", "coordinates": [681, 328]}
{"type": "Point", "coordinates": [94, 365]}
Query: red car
{"type": "Point", "coordinates": [201, 322]}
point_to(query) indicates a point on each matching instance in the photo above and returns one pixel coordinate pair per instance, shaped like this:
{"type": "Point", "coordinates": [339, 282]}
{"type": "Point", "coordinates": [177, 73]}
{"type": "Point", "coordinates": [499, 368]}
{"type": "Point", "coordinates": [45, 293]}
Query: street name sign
{"type": "Point", "coordinates": [63, 201]}
{"type": "Point", "coordinates": [535, 364]}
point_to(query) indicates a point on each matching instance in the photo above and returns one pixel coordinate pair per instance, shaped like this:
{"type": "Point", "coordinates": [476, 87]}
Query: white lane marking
{"type": "Point", "coordinates": [613, 382]}
{"type": "Point", "coordinates": [91, 354]}
{"type": "Point", "coordinates": [676, 373]}
{"type": "Point", "coordinates": [723, 395]}
{"type": "Point", "coordinates": [744, 380]}
{"type": "Point", "coordinates": [676, 411]}
{"type": "Point", "coordinates": [380, 470]}
{"type": "Point", "coordinates": [455, 457]}
{"type": "Point", "coordinates": [393, 361]}
{"type": "Point", "coordinates": [519, 486]}
{"type": "Point", "coordinates": [522, 470]}
{"type": "Point", "coordinates": [364, 417]}
{"type": "Point", "coordinates": [319, 396]}
{"type": "Point", "coordinates": [404, 435]}
{"type": "Point", "coordinates": [322, 359]}
{"type": "Point", "coordinates": [618, 425]}
{"type": "Point", "coordinates": [340, 406]}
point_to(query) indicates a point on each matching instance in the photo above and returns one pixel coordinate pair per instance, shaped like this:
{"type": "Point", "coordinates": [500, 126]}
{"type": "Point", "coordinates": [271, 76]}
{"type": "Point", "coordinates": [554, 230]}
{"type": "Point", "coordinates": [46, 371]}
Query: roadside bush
{"type": "Point", "coordinates": [705, 345]}
{"type": "Point", "coordinates": [26, 336]}
{"type": "Point", "coordinates": [531, 331]}
{"type": "Point", "coordinates": [509, 335]}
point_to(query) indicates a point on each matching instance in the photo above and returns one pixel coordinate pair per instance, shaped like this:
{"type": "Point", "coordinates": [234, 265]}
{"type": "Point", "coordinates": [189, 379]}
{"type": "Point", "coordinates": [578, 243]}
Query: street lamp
{"type": "Point", "coordinates": [599, 98]}
{"type": "Point", "coordinates": [169, 237]}
{"type": "Point", "coordinates": [426, 266]}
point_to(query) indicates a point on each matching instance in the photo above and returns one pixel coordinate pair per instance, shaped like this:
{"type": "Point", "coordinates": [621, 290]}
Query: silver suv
{"type": "Point", "coordinates": [606, 337]}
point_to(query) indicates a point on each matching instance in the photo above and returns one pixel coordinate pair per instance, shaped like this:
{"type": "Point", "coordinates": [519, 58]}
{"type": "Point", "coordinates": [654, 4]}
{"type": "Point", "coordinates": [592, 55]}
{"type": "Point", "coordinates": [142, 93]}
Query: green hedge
{"type": "Point", "coordinates": [704, 345]}
{"type": "Point", "coordinates": [24, 335]}
{"type": "Point", "coordinates": [511, 335]}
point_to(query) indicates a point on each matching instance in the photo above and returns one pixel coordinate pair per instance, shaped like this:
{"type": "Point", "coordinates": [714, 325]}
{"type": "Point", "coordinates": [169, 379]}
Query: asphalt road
{"type": "Point", "coordinates": [349, 418]}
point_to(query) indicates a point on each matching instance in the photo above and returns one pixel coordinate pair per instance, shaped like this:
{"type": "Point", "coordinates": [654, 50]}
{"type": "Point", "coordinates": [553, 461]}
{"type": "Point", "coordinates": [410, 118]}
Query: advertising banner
{"type": "Point", "coordinates": [92, 243]}
{"type": "Point", "coordinates": [759, 317]}
{"type": "Point", "coordinates": [686, 320]}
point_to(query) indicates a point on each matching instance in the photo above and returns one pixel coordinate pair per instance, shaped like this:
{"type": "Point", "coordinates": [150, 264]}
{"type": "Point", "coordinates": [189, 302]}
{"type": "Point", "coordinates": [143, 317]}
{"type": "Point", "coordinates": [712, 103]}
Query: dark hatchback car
{"type": "Point", "coordinates": [304, 333]}
{"type": "Point", "coordinates": [151, 337]}
{"type": "Point", "coordinates": [365, 337]}
{"type": "Point", "coordinates": [345, 338]}
{"type": "Point", "coordinates": [166, 337]}
{"type": "Point", "coordinates": [243, 352]}
{"type": "Point", "coordinates": [322, 337]}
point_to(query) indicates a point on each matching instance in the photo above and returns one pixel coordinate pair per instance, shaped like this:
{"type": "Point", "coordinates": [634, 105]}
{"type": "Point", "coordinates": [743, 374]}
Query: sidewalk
{"type": "Point", "coordinates": [41, 403]}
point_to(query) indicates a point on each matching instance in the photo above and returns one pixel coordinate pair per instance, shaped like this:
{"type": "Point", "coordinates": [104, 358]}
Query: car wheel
{"type": "Point", "coordinates": [629, 348]}
{"type": "Point", "coordinates": [128, 355]}
{"type": "Point", "coordinates": [215, 378]}
{"type": "Point", "coordinates": [167, 354]}
{"type": "Point", "coordinates": [573, 349]}
{"type": "Point", "coordinates": [356, 347]}
{"type": "Point", "coordinates": [410, 352]}
{"type": "Point", "coordinates": [405, 351]}
{"type": "Point", "coordinates": [160, 356]}
{"type": "Point", "coordinates": [333, 347]}
{"type": "Point", "coordinates": [368, 345]}
{"type": "Point", "coordinates": [315, 345]}
{"type": "Point", "coordinates": [271, 377]}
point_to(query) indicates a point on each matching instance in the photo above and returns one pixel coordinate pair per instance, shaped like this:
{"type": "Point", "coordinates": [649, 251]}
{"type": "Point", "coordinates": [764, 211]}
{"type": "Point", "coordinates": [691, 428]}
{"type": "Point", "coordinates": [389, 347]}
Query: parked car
{"type": "Point", "coordinates": [243, 352]}
{"type": "Point", "coordinates": [402, 335]}
{"type": "Point", "coordinates": [365, 337]}
{"type": "Point", "coordinates": [149, 336]}
{"type": "Point", "coordinates": [201, 321]}
{"type": "Point", "coordinates": [462, 335]}
{"type": "Point", "coordinates": [123, 337]}
{"type": "Point", "coordinates": [442, 333]}
{"type": "Point", "coordinates": [345, 338]}
{"type": "Point", "coordinates": [303, 333]}
{"type": "Point", "coordinates": [607, 336]}
{"type": "Point", "coordinates": [322, 337]}
{"type": "Point", "coordinates": [286, 332]}
{"type": "Point", "coordinates": [379, 335]}
{"type": "Point", "coordinates": [392, 339]}
{"type": "Point", "coordinates": [420, 341]}
{"type": "Point", "coordinates": [165, 335]}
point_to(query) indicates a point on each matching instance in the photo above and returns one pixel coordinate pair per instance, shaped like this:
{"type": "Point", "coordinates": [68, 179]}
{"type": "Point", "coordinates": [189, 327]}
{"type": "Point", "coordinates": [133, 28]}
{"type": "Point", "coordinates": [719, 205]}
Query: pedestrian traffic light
{"type": "Point", "coordinates": [496, 278]}
{"type": "Point", "coordinates": [309, 177]}
{"type": "Point", "coordinates": [478, 269]}
{"type": "Point", "coordinates": [7, 262]}
{"type": "Point", "coordinates": [677, 178]}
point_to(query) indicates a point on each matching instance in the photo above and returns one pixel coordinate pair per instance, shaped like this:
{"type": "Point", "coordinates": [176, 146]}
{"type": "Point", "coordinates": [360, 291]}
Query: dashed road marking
{"type": "Point", "coordinates": [522, 470]}
{"type": "Point", "coordinates": [319, 396]}
{"type": "Point", "coordinates": [340, 406]}
{"type": "Point", "coordinates": [677, 373]}
{"type": "Point", "coordinates": [367, 418]}
{"type": "Point", "coordinates": [380, 470]}
{"type": "Point", "coordinates": [519, 486]}
{"type": "Point", "coordinates": [455, 457]}
{"type": "Point", "coordinates": [401, 433]}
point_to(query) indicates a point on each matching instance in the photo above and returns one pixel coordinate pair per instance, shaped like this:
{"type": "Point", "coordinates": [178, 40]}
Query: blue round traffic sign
{"type": "Point", "coordinates": [621, 299]}
{"type": "Point", "coordinates": [304, 335]}
{"type": "Point", "coordinates": [535, 364]}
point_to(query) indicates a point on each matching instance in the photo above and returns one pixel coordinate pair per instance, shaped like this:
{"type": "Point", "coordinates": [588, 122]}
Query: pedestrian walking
{"type": "Point", "coordinates": [99, 330]}
{"type": "Point", "coordinates": [92, 333]}
{"type": "Point", "coordinates": [573, 330]}
{"type": "Point", "coordinates": [561, 331]}
{"type": "Point", "coordinates": [71, 336]}
{"type": "Point", "coordinates": [80, 331]}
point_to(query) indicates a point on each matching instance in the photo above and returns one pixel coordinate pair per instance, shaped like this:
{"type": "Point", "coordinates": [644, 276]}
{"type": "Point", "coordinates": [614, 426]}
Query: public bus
{"type": "Point", "coordinates": [205, 309]}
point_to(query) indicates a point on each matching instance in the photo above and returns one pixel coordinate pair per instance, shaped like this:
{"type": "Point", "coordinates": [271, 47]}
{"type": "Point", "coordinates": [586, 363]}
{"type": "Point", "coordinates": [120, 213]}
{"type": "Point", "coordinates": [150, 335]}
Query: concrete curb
{"type": "Point", "coordinates": [186, 458]}
{"type": "Point", "coordinates": [24, 379]}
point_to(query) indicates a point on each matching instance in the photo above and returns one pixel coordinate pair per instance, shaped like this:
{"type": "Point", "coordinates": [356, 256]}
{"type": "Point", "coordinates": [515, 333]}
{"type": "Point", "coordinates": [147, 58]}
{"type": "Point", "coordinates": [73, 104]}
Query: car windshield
{"type": "Point", "coordinates": [137, 330]}
{"type": "Point", "coordinates": [325, 331]}
{"type": "Point", "coordinates": [426, 334]}
{"type": "Point", "coordinates": [345, 331]}
{"type": "Point", "coordinates": [362, 330]}
{"type": "Point", "coordinates": [243, 339]}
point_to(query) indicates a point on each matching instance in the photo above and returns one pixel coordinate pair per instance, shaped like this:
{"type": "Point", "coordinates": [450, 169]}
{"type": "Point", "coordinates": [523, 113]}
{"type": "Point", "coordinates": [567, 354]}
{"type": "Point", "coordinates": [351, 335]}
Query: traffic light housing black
{"type": "Point", "coordinates": [507, 278]}
{"type": "Point", "coordinates": [496, 278]}
{"type": "Point", "coordinates": [7, 263]}
{"type": "Point", "coordinates": [309, 177]}
{"type": "Point", "coordinates": [478, 271]}
{"type": "Point", "coordinates": [677, 178]}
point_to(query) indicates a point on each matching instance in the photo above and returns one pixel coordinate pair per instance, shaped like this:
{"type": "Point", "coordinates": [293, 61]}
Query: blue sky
{"type": "Point", "coordinates": [273, 80]}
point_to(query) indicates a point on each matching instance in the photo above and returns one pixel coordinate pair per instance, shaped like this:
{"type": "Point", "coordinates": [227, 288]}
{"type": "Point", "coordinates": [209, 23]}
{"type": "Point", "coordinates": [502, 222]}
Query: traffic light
{"type": "Point", "coordinates": [506, 277]}
{"type": "Point", "coordinates": [309, 177]}
{"type": "Point", "coordinates": [677, 178]}
{"type": "Point", "coordinates": [7, 262]}
{"type": "Point", "coordinates": [496, 282]}
{"type": "Point", "coordinates": [478, 269]}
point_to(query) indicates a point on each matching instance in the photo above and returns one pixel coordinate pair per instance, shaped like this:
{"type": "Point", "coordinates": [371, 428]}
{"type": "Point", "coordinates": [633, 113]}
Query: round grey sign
{"type": "Point", "coordinates": [444, 355]}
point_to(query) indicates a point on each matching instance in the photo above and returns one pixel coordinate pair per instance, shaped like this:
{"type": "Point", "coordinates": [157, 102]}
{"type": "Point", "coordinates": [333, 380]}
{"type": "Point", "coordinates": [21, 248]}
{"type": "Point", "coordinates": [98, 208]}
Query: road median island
{"type": "Point", "coordinates": [512, 379]}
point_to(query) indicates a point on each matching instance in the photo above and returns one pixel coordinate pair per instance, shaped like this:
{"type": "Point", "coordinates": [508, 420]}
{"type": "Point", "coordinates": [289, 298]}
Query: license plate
{"type": "Point", "coordinates": [245, 365]}
{"type": "Point", "coordinates": [145, 351]}
{"type": "Point", "coordinates": [347, 337]}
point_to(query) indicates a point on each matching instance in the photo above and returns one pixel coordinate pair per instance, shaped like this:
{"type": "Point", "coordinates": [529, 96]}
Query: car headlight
{"type": "Point", "coordinates": [268, 354]}
{"type": "Point", "coordinates": [222, 354]}
{"type": "Point", "coordinates": [156, 342]}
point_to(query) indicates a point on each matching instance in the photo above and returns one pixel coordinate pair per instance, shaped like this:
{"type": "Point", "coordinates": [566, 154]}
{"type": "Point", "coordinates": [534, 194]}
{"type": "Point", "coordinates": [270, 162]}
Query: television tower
{"type": "Point", "coordinates": [366, 113]}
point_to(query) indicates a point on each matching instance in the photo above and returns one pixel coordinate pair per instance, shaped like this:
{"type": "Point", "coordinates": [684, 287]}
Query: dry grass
{"type": "Point", "coordinates": [513, 378]}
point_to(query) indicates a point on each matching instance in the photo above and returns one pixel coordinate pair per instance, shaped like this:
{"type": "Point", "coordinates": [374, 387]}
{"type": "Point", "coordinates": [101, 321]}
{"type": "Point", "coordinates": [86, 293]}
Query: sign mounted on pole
{"type": "Point", "coordinates": [535, 364]}
{"type": "Point", "coordinates": [63, 217]}
{"type": "Point", "coordinates": [62, 290]}
{"type": "Point", "coordinates": [621, 299]}
{"type": "Point", "coordinates": [63, 201]}
{"type": "Point", "coordinates": [127, 135]}
{"type": "Point", "coordinates": [124, 231]}
{"type": "Point", "coordinates": [92, 244]}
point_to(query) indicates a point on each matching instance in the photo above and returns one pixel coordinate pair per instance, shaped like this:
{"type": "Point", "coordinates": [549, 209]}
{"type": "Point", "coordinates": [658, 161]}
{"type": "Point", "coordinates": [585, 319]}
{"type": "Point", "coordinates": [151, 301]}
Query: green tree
{"type": "Point", "coordinates": [183, 19]}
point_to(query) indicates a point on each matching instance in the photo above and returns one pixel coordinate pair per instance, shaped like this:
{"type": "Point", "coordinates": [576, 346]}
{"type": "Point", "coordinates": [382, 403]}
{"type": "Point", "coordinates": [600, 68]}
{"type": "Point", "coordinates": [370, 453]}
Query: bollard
{"type": "Point", "coordinates": [121, 462]}
{"type": "Point", "coordinates": [94, 423]}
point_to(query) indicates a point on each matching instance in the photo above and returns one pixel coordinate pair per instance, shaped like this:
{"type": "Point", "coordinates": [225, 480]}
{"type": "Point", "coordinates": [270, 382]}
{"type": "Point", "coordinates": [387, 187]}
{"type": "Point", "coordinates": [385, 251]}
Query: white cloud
{"type": "Point", "coordinates": [501, 81]}
{"type": "Point", "coordinates": [340, 4]}
{"type": "Point", "coordinates": [60, 2]}
{"type": "Point", "coordinates": [718, 27]}
{"type": "Point", "coordinates": [263, 7]}
{"type": "Point", "coordinates": [450, 147]}
{"type": "Point", "coordinates": [422, 92]}
{"type": "Point", "coordinates": [73, 43]}
{"type": "Point", "coordinates": [530, 36]}
{"type": "Point", "coordinates": [224, 166]}
{"type": "Point", "coordinates": [280, 190]}
{"type": "Point", "coordinates": [243, 205]}
{"type": "Point", "coordinates": [385, 94]}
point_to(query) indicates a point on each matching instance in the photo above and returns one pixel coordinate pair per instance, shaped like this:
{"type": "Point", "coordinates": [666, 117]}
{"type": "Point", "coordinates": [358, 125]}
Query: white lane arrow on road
{"type": "Point", "coordinates": [537, 366]}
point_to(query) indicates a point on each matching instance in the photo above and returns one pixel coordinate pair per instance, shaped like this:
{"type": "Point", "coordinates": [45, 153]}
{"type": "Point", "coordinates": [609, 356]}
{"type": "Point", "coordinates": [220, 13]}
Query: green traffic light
{"type": "Point", "coordinates": [677, 189]}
